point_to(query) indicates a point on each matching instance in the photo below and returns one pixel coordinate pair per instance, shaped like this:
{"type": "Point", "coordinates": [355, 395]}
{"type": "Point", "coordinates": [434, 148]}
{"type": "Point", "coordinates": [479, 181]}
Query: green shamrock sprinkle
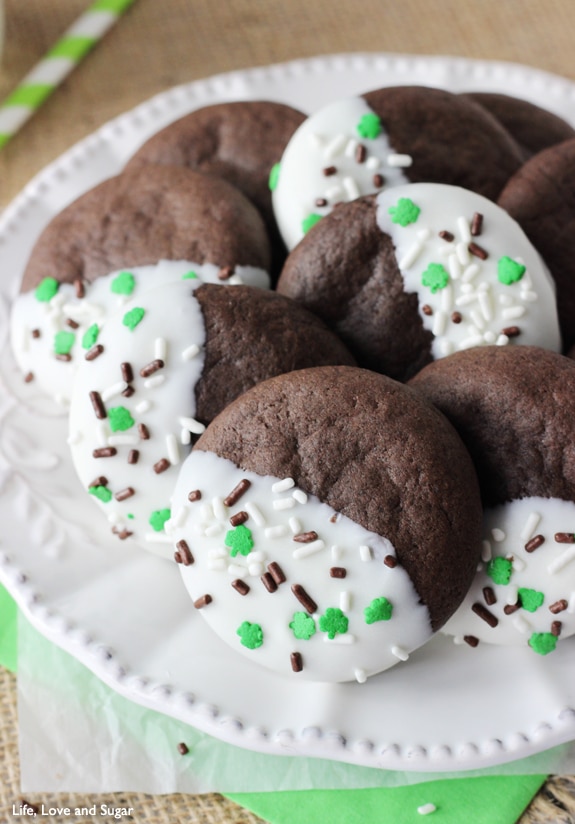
{"type": "Point", "coordinates": [120, 419]}
{"type": "Point", "coordinates": [333, 621]}
{"type": "Point", "coordinates": [63, 342]}
{"type": "Point", "coordinates": [530, 599]}
{"type": "Point", "coordinates": [404, 212]}
{"type": "Point", "coordinates": [90, 336]}
{"type": "Point", "coordinates": [274, 177]}
{"type": "Point", "coordinates": [303, 626]}
{"type": "Point", "coordinates": [499, 570]}
{"type": "Point", "coordinates": [509, 271]}
{"type": "Point", "coordinates": [102, 493]}
{"type": "Point", "coordinates": [130, 515]}
{"type": "Point", "coordinates": [132, 318]}
{"type": "Point", "coordinates": [123, 284]}
{"type": "Point", "coordinates": [310, 221]}
{"type": "Point", "coordinates": [542, 642]}
{"type": "Point", "coordinates": [379, 610]}
{"type": "Point", "coordinates": [251, 635]}
{"type": "Point", "coordinates": [158, 518]}
{"type": "Point", "coordinates": [239, 539]}
{"type": "Point", "coordinates": [191, 275]}
{"type": "Point", "coordinates": [435, 277]}
{"type": "Point", "coordinates": [369, 126]}
{"type": "Point", "coordinates": [46, 289]}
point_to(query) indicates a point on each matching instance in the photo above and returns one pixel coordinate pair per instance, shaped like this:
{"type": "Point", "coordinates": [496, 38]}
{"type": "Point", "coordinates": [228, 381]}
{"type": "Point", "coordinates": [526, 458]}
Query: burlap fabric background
{"type": "Point", "coordinates": [161, 43]}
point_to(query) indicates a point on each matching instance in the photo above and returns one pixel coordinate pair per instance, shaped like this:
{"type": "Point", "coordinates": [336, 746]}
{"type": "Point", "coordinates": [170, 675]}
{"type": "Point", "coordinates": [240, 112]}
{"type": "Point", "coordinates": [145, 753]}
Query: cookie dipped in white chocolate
{"type": "Point", "coordinates": [337, 154]}
{"type": "Point", "coordinates": [478, 279]}
{"type": "Point", "coordinates": [287, 581]}
{"type": "Point", "coordinates": [524, 589]}
{"type": "Point", "coordinates": [54, 327]}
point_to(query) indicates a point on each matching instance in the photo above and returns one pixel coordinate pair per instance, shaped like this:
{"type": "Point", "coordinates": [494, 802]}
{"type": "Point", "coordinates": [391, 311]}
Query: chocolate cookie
{"type": "Point", "coordinates": [146, 215]}
{"type": "Point", "coordinates": [420, 271]}
{"type": "Point", "coordinates": [238, 141]}
{"type": "Point", "coordinates": [388, 137]}
{"type": "Point", "coordinates": [541, 198]}
{"type": "Point", "coordinates": [156, 373]}
{"type": "Point", "coordinates": [512, 408]}
{"type": "Point", "coordinates": [327, 505]}
{"type": "Point", "coordinates": [532, 127]}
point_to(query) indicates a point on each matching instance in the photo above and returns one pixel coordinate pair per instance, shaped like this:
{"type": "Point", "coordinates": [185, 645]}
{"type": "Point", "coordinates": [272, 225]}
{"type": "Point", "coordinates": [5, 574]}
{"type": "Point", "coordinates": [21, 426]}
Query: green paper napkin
{"type": "Point", "coordinates": [494, 800]}
{"type": "Point", "coordinates": [489, 800]}
{"type": "Point", "coordinates": [8, 634]}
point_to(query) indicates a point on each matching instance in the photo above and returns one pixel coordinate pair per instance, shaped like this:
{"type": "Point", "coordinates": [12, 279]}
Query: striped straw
{"type": "Point", "coordinates": [57, 64]}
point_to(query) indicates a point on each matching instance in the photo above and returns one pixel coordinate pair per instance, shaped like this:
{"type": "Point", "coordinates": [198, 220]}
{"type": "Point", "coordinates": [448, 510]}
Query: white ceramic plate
{"type": "Point", "coordinates": [125, 614]}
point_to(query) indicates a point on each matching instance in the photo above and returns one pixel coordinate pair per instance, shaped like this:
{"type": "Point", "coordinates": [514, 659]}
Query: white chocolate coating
{"type": "Point", "coordinates": [487, 311]}
{"type": "Point", "coordinates": [328, 140]}
{"type": "Point", "coordinates": [548, 569]}
{"type": "Point", "coordinates": [277, 511]}
{"type": "Point", "coordinates": [34, 324]}
{"type": "Point", "coordinates": [172, 331]}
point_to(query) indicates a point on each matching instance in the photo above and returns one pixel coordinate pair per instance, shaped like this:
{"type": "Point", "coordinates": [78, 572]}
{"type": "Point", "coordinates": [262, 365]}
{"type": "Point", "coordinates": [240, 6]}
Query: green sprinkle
{"type": "Point", "coordinates": [63, 342]}
{"type": "Point", "coordinates": [435, 277]}
{"type": "Point", "coordinates": [123, 284]}
{"type": "Point", "coordinates": [132, 318]}
{"type": "Point", "coordinates": [499, 570]}
{"type": "Point", "coordinates": [120, 419]}
{"type": "Point", "coordinates": [102, 493]}
{"type": "Point", "coordinates": [239, 539]}
{"type": "Point", "coordinates": [158, 518]}
{"type": "Point", "coordinates": [46, 290]}
{"type": "Point", "coordinates": [251, 635]}
{"type": "Point", "coordinates": [303, 626]}
{"type": "Point", "coordinates": [274, 177]}
{"type": "Point", "coordinates": [90, 336]}
{"type": "Point", "coordinates": [332, 622]}
{"type": "Point", "coordinates": [369, 126]}
{"type": "Point", "coordinates": [130, 515]}
{"type": "Point", "coordinates": [379, 610]}
{"type": "Point", "coordinates": [509, 271]}
{"type": "Point", "coordinates": [530, 599]}
{"type": "Point", "coordinates": [404, 212]}
{"type": "Point", "coordinates": [543, 642]}
{"type": "Point", "coordinates": [191, 275]}
{"type": "Point", "coordinates": [310, 221]}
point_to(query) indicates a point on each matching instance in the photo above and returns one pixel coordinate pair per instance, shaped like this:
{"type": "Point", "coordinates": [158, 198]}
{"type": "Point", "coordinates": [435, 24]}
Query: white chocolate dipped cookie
{"type": "Point", "coordinates": [512, 408]}
{"type": "Point", "coordinates": [419, 272]}
{"type": "Point", "coordinates": [160, 370]}
{"type": "Point", "coordinates": [312, 543]}
{"type": "Point", "coordinates": [384, 138]}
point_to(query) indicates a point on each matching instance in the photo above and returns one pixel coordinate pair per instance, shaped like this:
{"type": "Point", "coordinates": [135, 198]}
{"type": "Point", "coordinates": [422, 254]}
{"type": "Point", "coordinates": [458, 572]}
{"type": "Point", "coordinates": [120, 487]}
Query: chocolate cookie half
{"type": "Point", "coordinates": [327, 523]}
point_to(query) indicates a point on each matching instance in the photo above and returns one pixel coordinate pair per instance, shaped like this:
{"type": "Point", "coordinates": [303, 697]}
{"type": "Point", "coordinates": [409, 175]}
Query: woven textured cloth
{"type": "Point", "coordinates": [161, 44]}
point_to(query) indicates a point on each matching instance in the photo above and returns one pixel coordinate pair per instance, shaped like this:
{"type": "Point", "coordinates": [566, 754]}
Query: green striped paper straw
{"type": "Point", "coordinates": [57, 64]}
